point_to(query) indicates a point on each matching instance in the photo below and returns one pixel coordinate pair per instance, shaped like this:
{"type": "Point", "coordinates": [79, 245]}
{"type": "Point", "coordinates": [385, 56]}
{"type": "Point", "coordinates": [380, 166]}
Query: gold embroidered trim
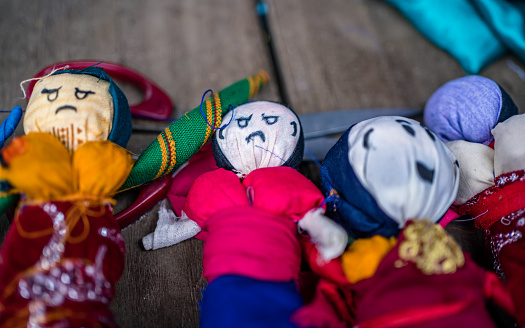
{"type": "Point", "coordinates": [430, 248]}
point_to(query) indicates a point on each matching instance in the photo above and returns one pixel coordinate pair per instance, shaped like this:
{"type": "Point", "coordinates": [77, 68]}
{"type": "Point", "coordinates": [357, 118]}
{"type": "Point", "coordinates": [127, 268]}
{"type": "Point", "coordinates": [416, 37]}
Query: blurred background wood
{"type": "Point", "coordinates": [333, 54]}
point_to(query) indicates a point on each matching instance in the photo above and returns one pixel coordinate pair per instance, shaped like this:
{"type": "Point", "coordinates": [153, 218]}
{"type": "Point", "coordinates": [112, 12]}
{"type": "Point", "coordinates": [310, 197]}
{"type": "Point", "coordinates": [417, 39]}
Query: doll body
{"type": "Point", "coordinates": [251, 237]}
{"type": "Point", "coordinates": [390, 178]}
{"type": "Point", "coordinates": [415, 291]}
{"type": "Point", "coordinates": [64, 252]}
{"type": "Point", "coordinates": [248, 212]}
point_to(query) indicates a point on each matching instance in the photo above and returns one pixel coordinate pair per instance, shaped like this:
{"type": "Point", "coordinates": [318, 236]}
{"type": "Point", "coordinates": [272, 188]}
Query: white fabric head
{"type": "Point", "coordinates": [476, 168]}
{"type": "Point", "coordinates": [260, 134]}
{"type": "Point", "coordinates": [405, 167]}
{"type": "Point", "coordinates": [509, 145]}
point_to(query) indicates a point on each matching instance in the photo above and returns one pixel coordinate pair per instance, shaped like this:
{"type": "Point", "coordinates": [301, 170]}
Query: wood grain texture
{"type": "Point", "coordinates": [186, 47]}
{"type": "Point", "coordinates": [350, 54]}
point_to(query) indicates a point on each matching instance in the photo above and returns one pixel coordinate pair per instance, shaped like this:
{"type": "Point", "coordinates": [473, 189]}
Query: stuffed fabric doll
{"type": "Point", "coordinates": [391, 177]}
{"type": "Point", "coordinates": [468, 108]}
{"type": "Point", "coordinates": [64, 252]}
{"type": "Point", "coordinates": [249, 211]}
{"type": "Point", "coordinates": [492, 192]}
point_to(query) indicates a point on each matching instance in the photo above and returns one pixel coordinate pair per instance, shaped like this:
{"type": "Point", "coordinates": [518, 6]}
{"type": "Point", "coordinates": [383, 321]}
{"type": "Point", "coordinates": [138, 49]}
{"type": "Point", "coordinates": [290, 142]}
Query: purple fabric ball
{"type": "Point", "coordinates": [468, 108]}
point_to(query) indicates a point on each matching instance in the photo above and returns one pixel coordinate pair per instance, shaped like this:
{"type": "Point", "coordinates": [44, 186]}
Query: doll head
{"type": "Point", "coordinates": [385, 171]}
{"type": "Point", "coordinates": [467, 109]}
{"type": "Point", "coordinates": [79, 106]}
{"type": "Point", "coordinates": [256, 135]}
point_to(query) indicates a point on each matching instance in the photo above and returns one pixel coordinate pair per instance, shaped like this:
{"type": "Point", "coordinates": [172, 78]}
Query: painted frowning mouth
{"type": "Point", "coordinates": [66, 107]}
{"type": "Point", "coordinates": [259, 134]}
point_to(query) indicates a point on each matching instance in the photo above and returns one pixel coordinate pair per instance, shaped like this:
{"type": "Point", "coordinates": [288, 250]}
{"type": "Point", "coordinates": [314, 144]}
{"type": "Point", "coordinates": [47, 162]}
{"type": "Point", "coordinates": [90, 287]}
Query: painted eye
{"type": "Point", "coordinates": [242, 122]}
{"type": "Point", "coordinates": [270, 120]}
{"type": "Point", "coordinates": [52, 94]}
{"type": "Point", "coordinates": [80, 94]}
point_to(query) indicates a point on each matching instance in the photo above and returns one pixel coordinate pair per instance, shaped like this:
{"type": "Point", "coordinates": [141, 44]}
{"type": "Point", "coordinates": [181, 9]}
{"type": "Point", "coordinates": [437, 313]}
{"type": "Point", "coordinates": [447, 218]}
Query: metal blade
{"type": "Point", "coordinates": [317, 148]}
{"type": "Point", "coordinates": [338, 121]}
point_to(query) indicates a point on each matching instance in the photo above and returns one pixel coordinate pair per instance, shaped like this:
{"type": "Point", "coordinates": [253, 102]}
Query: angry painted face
{"type": "Point", "coordinates": [258, 134]}
{"type": "Point", "coordinates": [76, 108]}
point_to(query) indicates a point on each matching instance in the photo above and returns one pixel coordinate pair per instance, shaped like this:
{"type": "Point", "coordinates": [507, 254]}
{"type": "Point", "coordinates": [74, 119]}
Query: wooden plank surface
{"type": "Point", "coordinates": [350, 54]}
{"type": "Point", "coordinates": [186, 47]}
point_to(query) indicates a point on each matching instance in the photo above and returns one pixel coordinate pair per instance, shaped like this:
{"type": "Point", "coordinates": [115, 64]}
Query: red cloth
{"type": "Point", "coordinates": [70, 281]}
{"type": "Point", "coordinates": [202, 162]}
{"type": "Point", "coordinates": [250, 223]}
{"type": "Point", "coordinates": [402, 296]}
{"type": "Point", "coordinates": [500, 212]}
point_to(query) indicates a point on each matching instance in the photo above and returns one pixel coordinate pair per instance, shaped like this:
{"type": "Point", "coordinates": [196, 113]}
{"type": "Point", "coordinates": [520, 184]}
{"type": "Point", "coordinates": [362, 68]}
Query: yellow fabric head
{"type": "Point", "coordinates": [40, 166]}
{"type": "Point", "coordinates": [74, 107]}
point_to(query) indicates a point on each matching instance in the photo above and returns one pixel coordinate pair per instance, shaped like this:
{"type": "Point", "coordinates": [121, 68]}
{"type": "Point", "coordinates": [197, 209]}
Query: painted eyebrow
{"type": "Point", "coordinates": [46, 90]}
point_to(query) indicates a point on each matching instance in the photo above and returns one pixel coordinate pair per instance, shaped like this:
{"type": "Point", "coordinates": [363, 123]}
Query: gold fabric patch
{"type": "Point", "coordinates": [430, 248]}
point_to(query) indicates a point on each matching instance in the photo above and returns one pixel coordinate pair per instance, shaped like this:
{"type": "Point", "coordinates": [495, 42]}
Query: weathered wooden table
{"type": "Point", "coordinates": [333, 54]}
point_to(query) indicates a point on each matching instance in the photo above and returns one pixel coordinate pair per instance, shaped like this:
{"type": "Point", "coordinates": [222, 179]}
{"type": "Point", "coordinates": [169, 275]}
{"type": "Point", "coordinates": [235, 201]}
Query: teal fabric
{"type": "Point", "coordinates": [457, 27]}
{"type": "Point", "coordinates": [507, 20]}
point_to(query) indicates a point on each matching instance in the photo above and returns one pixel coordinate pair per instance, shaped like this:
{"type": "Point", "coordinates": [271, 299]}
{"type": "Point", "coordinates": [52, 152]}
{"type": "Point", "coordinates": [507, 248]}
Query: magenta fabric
{"type": "Point", "coordinates": [399, 289]}
{"type": "Point", "coordinates": [252, 236]}
{"type": "Point", "coordinates": [253, 243]}
{"type": "Point", "coordinates": [198, 164]}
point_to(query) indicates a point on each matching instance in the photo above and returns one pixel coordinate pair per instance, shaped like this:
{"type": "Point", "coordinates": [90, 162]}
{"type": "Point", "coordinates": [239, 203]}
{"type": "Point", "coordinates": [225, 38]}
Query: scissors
{"type": "Point", "coordinates": [319, 128]}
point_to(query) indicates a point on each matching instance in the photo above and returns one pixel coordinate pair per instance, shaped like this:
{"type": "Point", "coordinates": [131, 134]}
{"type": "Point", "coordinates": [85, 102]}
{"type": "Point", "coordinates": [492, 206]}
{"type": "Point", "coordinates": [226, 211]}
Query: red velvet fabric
{"type": "Point", "coordinates": [62, 281]}
{"type": "Point", "coordinates": [251, 223]}
{"type": "Point", "coordinates": [402, 296]}
{"type": "Point", "coordinates": [500, 212]}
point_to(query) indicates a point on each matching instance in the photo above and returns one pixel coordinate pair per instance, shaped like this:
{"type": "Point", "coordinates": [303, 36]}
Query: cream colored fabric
{"type": "Point", "coordinates": [476, 168]}
{"type": "Point", "coordinates": [509, 145]}
{"type": "Point", "coordinates": [329, 237]}
{"type": "Point", "coordinates": [74, 107]}
{"type": "Point", "coordinates": [170, 229]}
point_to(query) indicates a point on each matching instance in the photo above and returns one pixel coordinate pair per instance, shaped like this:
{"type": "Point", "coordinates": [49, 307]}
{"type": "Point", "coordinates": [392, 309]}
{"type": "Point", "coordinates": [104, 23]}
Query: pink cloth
{"type": "Point", "coordinates": [253, 236]}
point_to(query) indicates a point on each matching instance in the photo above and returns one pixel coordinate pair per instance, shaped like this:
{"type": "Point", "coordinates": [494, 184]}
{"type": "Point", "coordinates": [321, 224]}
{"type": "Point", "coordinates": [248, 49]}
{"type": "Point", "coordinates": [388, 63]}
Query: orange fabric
{"type": "Point", "coordinates": [41, 167]}
{"type": "Point", "coordinates": [362, 258]}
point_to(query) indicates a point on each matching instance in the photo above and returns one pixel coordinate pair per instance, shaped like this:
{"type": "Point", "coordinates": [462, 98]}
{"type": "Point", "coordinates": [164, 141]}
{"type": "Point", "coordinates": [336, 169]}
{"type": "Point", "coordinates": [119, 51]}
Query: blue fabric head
{"type": "Point", "coordinates": [121, 127]}
{"type": "Point", "coordinates": [468, 108]}
{"type": "Point", "coordinates": [350, 198]}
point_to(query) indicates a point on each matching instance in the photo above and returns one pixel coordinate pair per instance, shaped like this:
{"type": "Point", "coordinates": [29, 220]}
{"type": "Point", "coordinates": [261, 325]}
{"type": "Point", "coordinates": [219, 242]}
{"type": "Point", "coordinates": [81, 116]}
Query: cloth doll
{"type": "Point", "coordinates": [64, 252]}
{"type": "Point", "coordinates": [492, 193]}
{"type": "Point", "coordinates": [249, 211]}
{"type": "Point", "coordinates": [390, 177]}
{"type": "Point", "coordinates": [468, 108]}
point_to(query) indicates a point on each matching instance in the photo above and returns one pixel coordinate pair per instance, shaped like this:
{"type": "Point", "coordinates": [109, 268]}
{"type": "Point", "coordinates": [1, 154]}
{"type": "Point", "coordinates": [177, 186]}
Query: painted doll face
{"type": "Point", "coordinates": [260, 134]}
{"type": "Point", "coordinates": [405, 167]}
{"type": "Point", "coordinates": [74, 107]}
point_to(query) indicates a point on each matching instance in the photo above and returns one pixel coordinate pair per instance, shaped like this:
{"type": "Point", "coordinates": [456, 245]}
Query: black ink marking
{"type": "Point", "coordinates": [242, 122]}
{"type": "Point", "coordinates": [403, 121]}
{"type": "Point", "coordinates": [270, 120]}
{"type": "Point", "coordinates": [424, 172]}
{"type": "Point", "coordinates": [409, 130]}
{"type": "Point", "coordinates": [66, 107]}
{"type": "Point", "coordinates": [52, 94]}
{"type": "Point", "coordinates": [294, 124]}
{"type": "Point", "coordinates": [259, 134]}
{"type": "Point", "coordinates": [80, 94]}
{"type": "Point", "coordinates": [430, 134]}
{"type": "Point", "coordinates": [221, 136]}
{"type": "Point", "coordinates": [366, 139]}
